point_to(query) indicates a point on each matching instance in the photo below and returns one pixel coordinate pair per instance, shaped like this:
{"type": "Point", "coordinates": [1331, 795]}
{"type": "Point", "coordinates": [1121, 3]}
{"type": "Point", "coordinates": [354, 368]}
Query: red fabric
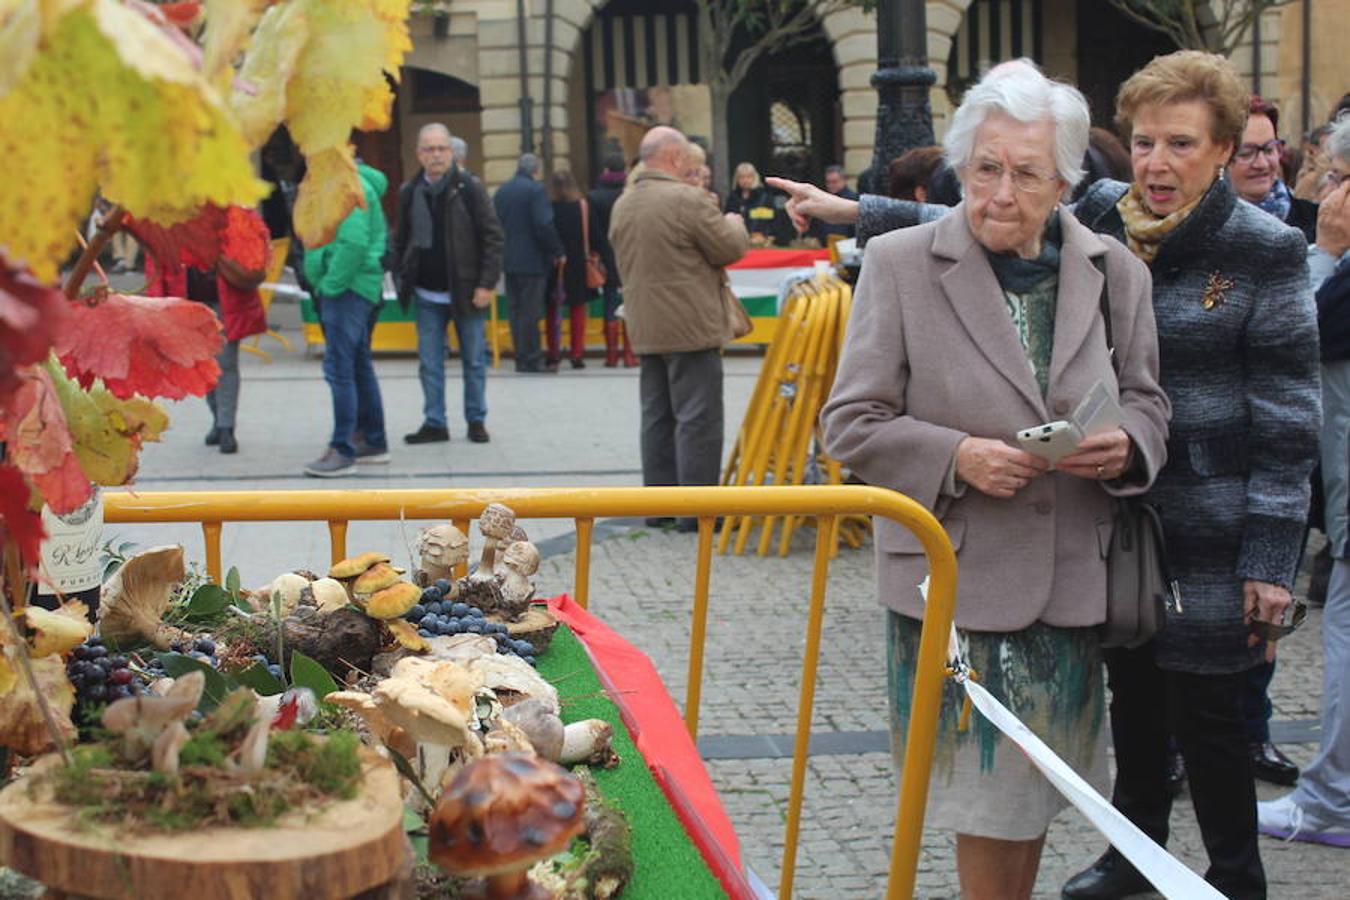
{"type": "Point", "coordinates": [770, 258]}
{"type": "Point", "coordinates": [659, 732]}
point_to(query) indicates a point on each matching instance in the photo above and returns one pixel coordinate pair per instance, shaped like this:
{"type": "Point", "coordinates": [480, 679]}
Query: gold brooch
{"type": "Point", "coordinates": [1216, 290]}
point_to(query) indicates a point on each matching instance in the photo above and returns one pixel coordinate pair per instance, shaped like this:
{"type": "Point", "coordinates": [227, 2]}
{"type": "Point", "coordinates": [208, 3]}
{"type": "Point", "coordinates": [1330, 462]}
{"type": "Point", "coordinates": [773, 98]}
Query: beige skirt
{"type": "Point", "coordinates": [982, 784]}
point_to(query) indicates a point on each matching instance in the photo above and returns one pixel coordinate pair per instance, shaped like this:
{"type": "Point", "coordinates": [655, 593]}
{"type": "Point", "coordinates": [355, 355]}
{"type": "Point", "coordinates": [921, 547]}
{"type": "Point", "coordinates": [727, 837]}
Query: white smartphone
{"type": "Point", "coordinates": [1050, 441]}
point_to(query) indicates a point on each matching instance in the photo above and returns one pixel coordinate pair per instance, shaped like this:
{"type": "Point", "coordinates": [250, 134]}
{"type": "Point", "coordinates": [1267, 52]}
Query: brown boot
{"type": "Point", "coordinates": [630, 361]}
{"type": "Point", "coordinates": [612, 343]}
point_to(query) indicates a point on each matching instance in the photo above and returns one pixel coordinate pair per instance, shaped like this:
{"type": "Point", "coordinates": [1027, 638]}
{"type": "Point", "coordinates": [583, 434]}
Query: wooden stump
{"type": "Point", "coordinates": [345, 848]}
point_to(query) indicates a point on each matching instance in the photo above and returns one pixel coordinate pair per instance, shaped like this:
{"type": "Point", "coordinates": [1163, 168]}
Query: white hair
{"type": "Point", "coordinates": [460, 148]}
{"type": "Point", "coordinates": [1019, 90]}
{"type": "Point", "coordinates": [430, 127]}
{"type": "Point", "coordinates": [1338, 143]}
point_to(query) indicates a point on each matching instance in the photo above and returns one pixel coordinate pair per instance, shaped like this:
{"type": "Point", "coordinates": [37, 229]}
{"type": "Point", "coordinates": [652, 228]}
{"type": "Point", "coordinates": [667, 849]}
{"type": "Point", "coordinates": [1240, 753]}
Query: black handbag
{"type": "Point", "coordinates": [1139, 585]}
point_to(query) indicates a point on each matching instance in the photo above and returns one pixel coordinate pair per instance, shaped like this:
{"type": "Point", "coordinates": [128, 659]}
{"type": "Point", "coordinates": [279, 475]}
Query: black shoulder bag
{"type": "Point", "coordinates": [1139, 586]}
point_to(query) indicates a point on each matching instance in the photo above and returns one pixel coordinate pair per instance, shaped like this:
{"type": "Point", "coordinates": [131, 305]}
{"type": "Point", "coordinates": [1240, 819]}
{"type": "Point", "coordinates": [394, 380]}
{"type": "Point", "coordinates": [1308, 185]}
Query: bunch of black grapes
{"type": "Point", "coordinates": [435, 616]}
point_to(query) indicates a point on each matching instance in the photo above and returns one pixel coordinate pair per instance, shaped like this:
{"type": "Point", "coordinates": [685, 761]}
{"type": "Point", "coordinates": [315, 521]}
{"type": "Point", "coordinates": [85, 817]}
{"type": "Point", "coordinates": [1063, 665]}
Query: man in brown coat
{"type": "Point", "coordinates": [671, 243]}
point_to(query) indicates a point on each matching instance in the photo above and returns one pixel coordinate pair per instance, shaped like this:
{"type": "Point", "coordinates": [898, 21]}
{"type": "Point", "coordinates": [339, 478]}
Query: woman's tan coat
{"type": "Point", "coordinates": [931, 357]}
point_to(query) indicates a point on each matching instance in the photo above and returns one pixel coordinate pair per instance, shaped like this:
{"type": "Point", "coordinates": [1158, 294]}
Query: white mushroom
{"type": "Point", "coordinates": [133, 602]}
{"type": "Point", "coordinates": [442, 548]}
{"type": "Point", "coordinates": [434, 703]}
{"type": "Point", "coordinates": [541, 726]}
{"type": "Point", "coordinates": [507, 675]}
{"type": "Point", "coordinates": [288, 588]}
{"type": "Point", "coordinates": [253, 751]}
{"type": "Point", "coordinates": [329, 594]}
{"type": "Point", "coordinates": [142, 720]}
{"type": "Point", "coordinates": [519, 561]}
{"type": "Point", "coordinates": [164, 756]}
{"type": "Point", "coordinates": [589, 742]}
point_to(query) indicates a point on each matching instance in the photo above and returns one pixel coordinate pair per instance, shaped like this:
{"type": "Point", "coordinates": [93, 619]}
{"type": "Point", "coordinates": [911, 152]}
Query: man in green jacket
{"type": "Point", "coordinates": [348, 278]}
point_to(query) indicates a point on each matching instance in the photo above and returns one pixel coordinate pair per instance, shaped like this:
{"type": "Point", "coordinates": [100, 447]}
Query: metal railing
{"type": "Point", "coordinates": [584, 505]}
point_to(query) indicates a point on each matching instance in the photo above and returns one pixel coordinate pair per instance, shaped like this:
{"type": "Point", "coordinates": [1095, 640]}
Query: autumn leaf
{"type": "Point", "coordinates": [57, 632]}
{"type": "Point", "coordinates": [107, 432]}
{"type": "Point", "coordinates": [20, 32]}
{"type": "Point", "coordinates": [330, 190]}
{"type": "Point", "coordinates": [18, 520]}
{"type": "Point", "coordinates": [31, 314]}
{"type": "Point", "coordinates": [228, 25]}
{"type": "Point", "coordinates": [22, 727]}
{"type": "Point", "coordinates": [194, 242]}
{"type": "Point", "coordinates": [153, 346]}
{"type": "Point", "coordinates": [110, 102]}
{"type": "Point", "coordinates": [37, 440]}
{"type": "Point", "coordinates": [259, 98]}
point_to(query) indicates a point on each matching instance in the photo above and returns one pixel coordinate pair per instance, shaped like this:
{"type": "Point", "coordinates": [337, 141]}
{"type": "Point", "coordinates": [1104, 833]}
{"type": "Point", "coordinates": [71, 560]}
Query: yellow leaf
{"type": "Point", "coordinates": [259, 97]}
{"type": "Point", "coordinates": [22, 727]}
{"type": "Point", "coordinates": [228, 23]}
{"type": "Point", "coordinates": [342, 61]}
{"type": "Point", "coordinates": [109, 100]}
{"type": "Point", "coordinates": [404, 632]}
{"type": "Point", "coordinates": [20, 30]}
{"type": "Point", "coordinates": [327, 194]}
{"type": "Point", "coordinates": [56, 632]}
{"type": "Point", "coordinates": [107, 432]}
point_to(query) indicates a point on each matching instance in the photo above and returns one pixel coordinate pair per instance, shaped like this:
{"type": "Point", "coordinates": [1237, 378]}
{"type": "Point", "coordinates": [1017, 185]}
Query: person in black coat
{"type": "Point", "coordinates": [581, 234]}
{"type": "Point", "coordinates": [753, 202]}
{"type": "Point", "coordinates": [602, 198]}
{"type": "Point", "coordinates": [532, 250]}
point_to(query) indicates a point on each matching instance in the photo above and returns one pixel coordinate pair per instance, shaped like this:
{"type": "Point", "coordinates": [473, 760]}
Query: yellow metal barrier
{"type": "Point", "coordinates": [825, 503]}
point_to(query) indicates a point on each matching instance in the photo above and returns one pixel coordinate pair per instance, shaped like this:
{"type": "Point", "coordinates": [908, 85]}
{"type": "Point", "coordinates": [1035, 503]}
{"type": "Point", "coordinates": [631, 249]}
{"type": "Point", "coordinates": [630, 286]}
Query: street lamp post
{"type": "Point", "coordinates": [902, 80]}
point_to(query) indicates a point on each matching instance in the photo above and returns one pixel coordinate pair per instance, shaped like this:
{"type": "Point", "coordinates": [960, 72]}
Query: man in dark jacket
{"type": "Point", "coordinates": [836, 182]}
{"type": "Point", "coordinates": [526, 215]}
{"type": "Point", "coordinates": [602, 198]}
{"type": "Point", "coordinates": [448, 256]}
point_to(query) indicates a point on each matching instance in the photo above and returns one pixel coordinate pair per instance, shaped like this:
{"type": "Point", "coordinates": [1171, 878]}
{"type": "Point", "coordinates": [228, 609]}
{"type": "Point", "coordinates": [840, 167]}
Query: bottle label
{"type": "Point", "coordinates": [71, 561]}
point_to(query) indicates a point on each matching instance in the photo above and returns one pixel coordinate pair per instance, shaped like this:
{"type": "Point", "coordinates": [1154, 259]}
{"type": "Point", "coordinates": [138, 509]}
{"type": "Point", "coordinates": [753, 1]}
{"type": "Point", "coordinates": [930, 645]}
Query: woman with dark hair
{"type": "Point", "coordinates": [908, 175]}
{"type": "Point", "coordinates": [580, 231]}
{"type": "Point", "coordinates": [1237, 334]}
{"type": "Point", "coordinates": [1256, 172]}
{"type": "Point", "coordinates": [602, 197]}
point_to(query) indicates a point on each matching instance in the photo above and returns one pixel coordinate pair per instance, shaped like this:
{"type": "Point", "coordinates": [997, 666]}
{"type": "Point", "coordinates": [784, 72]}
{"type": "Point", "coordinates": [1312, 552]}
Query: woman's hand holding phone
{"type": "Point", "coordinates": [1100, 457]}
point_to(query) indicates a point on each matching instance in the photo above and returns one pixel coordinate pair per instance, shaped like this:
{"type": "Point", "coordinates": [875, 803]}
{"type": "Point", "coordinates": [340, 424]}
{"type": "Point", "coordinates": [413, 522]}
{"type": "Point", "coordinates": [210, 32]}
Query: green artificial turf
{"type": "Point", "coordinates": [668, 865]}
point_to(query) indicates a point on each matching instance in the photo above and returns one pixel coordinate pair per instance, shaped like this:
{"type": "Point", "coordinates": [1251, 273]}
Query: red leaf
{"type": "Point", "coordinates": [31, 314]}
{"type": "Point", "coordinates": [38, 442]}
{"type": "Point", "coordinates": [181, 14]}
{"type": "Point", "coordinates": [23, 525]}
{"type": "Point", "coordinates": [153, 346]}
{"type": "Point", "coordinates": [245, 239]}
{"type": "Point", "coordinates": [195, 242]}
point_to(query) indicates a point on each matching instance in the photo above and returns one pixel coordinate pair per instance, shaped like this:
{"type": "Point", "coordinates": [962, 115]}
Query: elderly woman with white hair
{"type": "Point", "coordinates": [963, 332]}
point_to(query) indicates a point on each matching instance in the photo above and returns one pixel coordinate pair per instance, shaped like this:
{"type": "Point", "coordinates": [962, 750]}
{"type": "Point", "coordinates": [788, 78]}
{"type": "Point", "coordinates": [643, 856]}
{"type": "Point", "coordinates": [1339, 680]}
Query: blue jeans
{"type": "Point", "coordinates": [350, 372]}
{"type": "Point", "coordinates": [432, 321]}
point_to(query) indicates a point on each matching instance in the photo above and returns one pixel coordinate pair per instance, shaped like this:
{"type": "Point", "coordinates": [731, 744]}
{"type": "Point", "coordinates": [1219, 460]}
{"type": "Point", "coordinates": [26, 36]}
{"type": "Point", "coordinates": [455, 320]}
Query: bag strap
{"type": "Point", "coordinates": [1104, 303]}
{"type": "Point", "coordinates": [585, 228]}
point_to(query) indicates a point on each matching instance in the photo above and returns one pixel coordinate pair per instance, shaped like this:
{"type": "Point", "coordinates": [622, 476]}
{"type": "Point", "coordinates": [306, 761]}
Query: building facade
{"type": "Point", "coordinates": [588, 76]}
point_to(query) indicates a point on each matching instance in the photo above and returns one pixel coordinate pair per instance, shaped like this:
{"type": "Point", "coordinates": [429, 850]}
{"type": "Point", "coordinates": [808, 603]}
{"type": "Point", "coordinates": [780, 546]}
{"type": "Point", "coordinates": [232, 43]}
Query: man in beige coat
{"type": "Point", "coordinates": [671, 243]}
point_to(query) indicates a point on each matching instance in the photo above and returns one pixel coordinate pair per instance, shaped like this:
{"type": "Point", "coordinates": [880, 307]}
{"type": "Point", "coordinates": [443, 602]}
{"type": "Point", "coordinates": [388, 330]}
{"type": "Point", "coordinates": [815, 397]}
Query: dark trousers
{"type": "Point", "coordinates": [681, 396]}
{"type": "Point", "coordinates": [525, 297]}
{"type": "Point", "coordinates": [1256, 708]}
{"type": "Point", "coordinates": [1204, 712]}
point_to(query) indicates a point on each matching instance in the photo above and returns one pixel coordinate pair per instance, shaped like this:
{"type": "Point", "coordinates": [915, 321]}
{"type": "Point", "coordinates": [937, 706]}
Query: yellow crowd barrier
{"type": "Point", "coordinates": [826, 504]}
{"type": "Point", "coordinates": [777, 443]}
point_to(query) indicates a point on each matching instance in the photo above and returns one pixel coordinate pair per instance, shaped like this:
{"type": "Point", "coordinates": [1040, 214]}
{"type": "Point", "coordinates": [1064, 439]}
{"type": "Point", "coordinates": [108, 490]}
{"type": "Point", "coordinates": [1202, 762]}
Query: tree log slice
{"type": "Point", "coordinates": [343, 849]}
{"type": "Point", "coordinates": [535, 625]}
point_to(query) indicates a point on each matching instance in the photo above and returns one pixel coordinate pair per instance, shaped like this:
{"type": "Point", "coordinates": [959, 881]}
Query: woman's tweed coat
{"type": "Point", "coordinates": [1237, 336]}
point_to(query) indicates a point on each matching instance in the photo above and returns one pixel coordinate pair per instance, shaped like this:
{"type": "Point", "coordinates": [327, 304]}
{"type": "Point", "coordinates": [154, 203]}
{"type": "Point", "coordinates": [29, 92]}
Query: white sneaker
{"type": "Point", "coordinates": [1285, 819]}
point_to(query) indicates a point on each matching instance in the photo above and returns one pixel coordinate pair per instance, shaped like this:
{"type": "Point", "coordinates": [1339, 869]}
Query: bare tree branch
{"type": "Point", "coordinates": [1188, 22]}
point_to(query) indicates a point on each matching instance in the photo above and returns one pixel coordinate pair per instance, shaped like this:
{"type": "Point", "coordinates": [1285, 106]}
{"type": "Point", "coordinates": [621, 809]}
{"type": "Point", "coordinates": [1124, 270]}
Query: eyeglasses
{"type": "Point", "coordinates": [1247, 152]}
{"type": "Point", "coordinates": [1273, 631]}
{"type": "Point", "coordinates": [987, 172]}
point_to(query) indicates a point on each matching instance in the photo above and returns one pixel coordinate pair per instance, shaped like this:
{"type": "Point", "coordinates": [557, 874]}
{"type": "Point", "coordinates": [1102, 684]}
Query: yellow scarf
{"type": "Point", "coordinates": [1144, 232]}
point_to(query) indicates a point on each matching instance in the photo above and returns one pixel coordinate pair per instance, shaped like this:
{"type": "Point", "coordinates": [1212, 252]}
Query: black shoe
{"type": "Point", "coordinates": [1176, 773]}
{"type": "Point", "coordinates": [225, 437]}
{"type": "Point", "coordinates": [428, 434]}
{"type": "Point", "coordinates": [1269, 764]}
{"type": "Point", "coordinates": [659, 521]}
{"type": "Point", "coordinates": [578, 362]}
{"type": "Point", "coordinates": [1110, 878]}
{"type": "Point", "coordinates": [213, 437]}
{"type": "Point", "coordinates": [478, 433]}
{"type": "Point", "coordinates": [690, 525]}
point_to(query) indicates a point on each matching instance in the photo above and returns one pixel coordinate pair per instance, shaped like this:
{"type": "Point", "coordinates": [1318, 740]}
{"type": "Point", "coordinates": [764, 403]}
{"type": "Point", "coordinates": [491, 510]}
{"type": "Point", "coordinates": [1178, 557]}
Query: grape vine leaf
{"type": "Point", "coordinates": [228, 25]}
{"type": "Point", "coordinates": [20, 33]}
{"type": "Point", "coordinates": [37, 440]}
{"type": "Point", "coordinates": [107, 432]}
{"type": "Point", "coordinates": [31, 314]}
{"type": "Point", "coordinates": [18, 521]}
{"type": "Point", "coordinates": [194, 242]}
{"type": "Point", "coordinates": [110, 101]}
{"type": "Point", "coordinates": [153, 346]}
{"type": "Point", "coordinates": [22, 727]}
{"type": "Point", "coordinates": [331, 189]}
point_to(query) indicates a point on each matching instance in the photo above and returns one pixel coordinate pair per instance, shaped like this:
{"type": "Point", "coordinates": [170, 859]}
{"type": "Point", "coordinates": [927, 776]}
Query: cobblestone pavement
{"type": "Point", "coordinates": [580, 429]}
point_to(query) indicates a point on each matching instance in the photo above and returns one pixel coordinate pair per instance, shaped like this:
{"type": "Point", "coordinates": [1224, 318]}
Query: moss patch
{"type": "Point", "coordinates": [668, 864]}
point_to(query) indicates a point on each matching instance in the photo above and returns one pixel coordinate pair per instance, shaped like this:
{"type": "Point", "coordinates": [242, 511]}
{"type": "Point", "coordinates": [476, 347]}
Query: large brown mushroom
{"type": "Point", "coordinates": [500, 815]}
{"type": "Point", "coordinates": [132, 603]}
